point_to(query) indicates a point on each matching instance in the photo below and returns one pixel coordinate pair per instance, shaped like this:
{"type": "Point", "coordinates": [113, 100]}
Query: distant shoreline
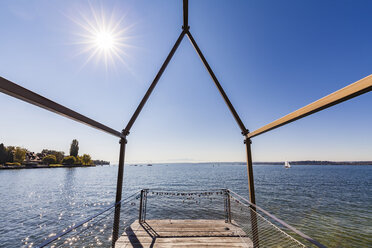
{"type": "Point", "coordinates": [19, 167]}
{"type": "Point", "coordinates": [315, 162]}
{"type": "Point", "coordinates": [304, 162]}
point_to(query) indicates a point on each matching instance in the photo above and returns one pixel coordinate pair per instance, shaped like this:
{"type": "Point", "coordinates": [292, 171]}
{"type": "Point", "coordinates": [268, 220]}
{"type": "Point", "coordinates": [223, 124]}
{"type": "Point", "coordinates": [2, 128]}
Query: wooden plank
{"type": "Point", "coordinates": [184, 234]}
{"type": "Point", "coordinates": [184, 245]}
{"type": "Point", "coordinates": [145, 240]}
{"type": "Point", "coordinates": [175, 222]}
{"type": "Point", "coordinates": [191, 228]}
{"type": "Point", "coordinates": [185, 222]}
{"type": "Point", "coordinates": [188, 234]}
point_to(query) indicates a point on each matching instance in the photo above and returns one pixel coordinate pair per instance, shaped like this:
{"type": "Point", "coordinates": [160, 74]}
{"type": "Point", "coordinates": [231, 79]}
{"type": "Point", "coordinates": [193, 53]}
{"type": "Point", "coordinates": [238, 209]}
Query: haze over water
{"type": "Point", "coordinates": [329, 203]}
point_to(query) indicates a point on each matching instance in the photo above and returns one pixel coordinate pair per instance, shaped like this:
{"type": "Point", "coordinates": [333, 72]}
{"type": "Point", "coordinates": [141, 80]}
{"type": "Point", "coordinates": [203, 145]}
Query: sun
{"type": "Point", "coordinates": [104, 40]}
{"type": "Point", "coordinates": [102, 37]}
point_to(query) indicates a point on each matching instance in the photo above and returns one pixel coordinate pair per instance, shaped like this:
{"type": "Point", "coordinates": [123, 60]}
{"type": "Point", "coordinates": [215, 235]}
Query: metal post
{"type": "Point", "coordinates": [227, 206]}
{"type": "Point", "coordinates": [185, 15]}
{"type": "Point", "coordinates": [144, 205]}
{"type": "Point", "coordinates": [119, 186]}
{"type": "Point", "coordinates": [141, 208]}
{"type": "Point", "coordinates": [252, 198]}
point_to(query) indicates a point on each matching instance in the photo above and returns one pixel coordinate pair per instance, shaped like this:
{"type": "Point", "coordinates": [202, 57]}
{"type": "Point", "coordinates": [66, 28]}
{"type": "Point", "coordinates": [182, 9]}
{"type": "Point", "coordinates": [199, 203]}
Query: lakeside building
{"type": "Point", "coordinates": [33, 158]}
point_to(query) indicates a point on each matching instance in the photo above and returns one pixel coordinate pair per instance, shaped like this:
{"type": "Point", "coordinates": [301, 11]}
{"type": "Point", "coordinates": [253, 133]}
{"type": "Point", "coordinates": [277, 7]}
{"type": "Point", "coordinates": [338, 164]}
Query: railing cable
{"type": "Point", "coordinates": [277, 219]}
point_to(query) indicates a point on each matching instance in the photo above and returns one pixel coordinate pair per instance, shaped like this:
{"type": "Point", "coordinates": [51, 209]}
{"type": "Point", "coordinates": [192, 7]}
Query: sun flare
{"type": "Point", "coordinates": [102, 37]}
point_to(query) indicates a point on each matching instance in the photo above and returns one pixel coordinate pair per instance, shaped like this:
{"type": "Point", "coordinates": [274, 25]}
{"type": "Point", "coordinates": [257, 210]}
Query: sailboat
{"type": "Point", "coordinates": [287, 165]}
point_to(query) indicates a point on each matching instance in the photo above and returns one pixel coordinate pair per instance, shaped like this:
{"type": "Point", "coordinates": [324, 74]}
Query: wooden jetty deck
{"type": "Point", "coordinates": [183, 234]}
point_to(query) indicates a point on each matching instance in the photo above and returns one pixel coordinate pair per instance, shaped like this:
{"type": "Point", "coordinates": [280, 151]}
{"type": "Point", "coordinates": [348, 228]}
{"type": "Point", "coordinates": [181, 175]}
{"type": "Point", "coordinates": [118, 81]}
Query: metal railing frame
{"type": "Point", "coordinates": [143, 205]}
{"type": "Point", "coordinates": [360, 87]}
{"type": "Point", "coordinates": [227, 206]}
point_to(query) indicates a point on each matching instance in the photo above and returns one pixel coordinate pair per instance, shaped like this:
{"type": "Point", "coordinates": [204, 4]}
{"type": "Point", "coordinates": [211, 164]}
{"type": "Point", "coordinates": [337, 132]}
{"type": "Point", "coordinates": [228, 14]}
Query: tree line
{"type": "Point", "coordinates": [10, 155]}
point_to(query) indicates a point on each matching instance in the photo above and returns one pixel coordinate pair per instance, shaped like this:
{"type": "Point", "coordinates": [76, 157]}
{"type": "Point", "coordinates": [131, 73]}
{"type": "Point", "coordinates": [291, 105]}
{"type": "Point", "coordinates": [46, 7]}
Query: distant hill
{"type": "Point", "coordinates": [315, 162]}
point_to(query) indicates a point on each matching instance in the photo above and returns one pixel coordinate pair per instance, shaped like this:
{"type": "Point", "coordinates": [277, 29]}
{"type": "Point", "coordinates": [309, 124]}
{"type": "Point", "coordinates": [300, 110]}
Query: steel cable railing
{"type": "Point", "coordinates": [242, 212]}
{"type": "Point", "coordinates": [97, 229]}
{"type": "Point", "coordinates": [207, 204]}
{"type": "Point", "coordinates": [265, 233]}
{"type": "Point", "coordinates": [256, 225]}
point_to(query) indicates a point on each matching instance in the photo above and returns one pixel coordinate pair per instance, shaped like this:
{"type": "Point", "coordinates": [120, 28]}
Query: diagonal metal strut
{"type": "Point", "coordinates": [153, 84]}
{"type": "Point", "coordinates": [217, 83]}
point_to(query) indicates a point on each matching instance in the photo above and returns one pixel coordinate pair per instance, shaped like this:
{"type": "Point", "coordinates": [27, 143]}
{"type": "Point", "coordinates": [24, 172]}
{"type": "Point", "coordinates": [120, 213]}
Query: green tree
{"type": "Point", "coordinates": [59, 155]}
{"type": "Point", "coordinates": [19, 154]}
{"type": "Point", "coordinates": [3, 154]}
{"type": "Point", "coordinates": [50, 159]}
{"type": "Point", "coordinates": [10, 154]}
{"type": "Point", "coordinates": [86, 159]}
{"type": "Point", "coordinates": [69, 160]}
{"type": "Point", "coordinates": [74, 148]}
{"type": "Point", "coordinates": [78, 161]}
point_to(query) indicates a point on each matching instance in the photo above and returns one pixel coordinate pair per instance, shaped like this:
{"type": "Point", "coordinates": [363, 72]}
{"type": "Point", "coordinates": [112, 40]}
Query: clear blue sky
{"type": "Point", "coordinates": [271, 57]}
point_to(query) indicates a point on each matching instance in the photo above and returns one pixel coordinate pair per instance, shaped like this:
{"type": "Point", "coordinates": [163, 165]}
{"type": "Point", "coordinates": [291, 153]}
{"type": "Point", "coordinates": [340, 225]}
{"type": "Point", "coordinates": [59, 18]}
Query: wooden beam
{"type": "Point", "coordinates": [17, 91]}
{"type": "Point", "coordinates": [355, 89]}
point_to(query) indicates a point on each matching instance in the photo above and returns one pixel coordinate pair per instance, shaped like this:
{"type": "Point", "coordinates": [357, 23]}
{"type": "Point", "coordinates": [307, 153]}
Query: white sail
{"type": "Point", "coordinates": [287, 164]}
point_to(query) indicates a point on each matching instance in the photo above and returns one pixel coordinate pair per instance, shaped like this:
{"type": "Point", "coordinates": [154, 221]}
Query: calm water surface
{"type": "Point", "coordinates": [332, 204]}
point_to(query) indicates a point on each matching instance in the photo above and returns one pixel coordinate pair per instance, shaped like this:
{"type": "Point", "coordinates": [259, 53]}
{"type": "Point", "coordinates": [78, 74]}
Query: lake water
{"type": "Point", "coordinates": [332, 204]}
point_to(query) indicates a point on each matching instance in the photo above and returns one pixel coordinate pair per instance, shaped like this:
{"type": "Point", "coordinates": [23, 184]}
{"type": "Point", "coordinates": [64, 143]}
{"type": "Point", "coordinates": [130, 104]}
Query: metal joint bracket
{"type": "Point", "coordinates": [247, 141]}
{"type": "Point", "coordinates": [124, 139]}
{"type": "Point", "coordinates": [125, 132]}
{"type": "Point", "coordinates": [186, 28]}
{"type": "Point", "coordinates": [245, 132]}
